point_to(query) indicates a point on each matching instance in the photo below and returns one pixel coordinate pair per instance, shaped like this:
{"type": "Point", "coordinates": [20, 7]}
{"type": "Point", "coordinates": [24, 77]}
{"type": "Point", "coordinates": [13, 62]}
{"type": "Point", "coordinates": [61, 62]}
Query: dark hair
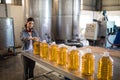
{"type": "Point", "coordinates": [30, 19]}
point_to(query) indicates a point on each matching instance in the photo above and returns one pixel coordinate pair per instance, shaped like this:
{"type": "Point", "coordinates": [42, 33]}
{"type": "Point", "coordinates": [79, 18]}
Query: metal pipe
{"type": "Point", "coordinates": [75, 18]}
{"type": "Point", "coordinates": [6, 11]}
{"type": "Point", "coordinates": [98, 5]}
{"type": "Point", "coordinates": [3, 1]}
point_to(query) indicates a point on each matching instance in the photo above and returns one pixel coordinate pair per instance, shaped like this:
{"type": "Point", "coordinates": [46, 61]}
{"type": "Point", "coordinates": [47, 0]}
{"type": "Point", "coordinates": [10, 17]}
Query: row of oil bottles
{"type": "Point", "coordinates": [69, 57]}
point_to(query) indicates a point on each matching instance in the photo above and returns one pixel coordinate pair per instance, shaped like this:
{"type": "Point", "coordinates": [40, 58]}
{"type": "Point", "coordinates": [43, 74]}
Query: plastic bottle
{"type": "Point", "coordinates": [53, 55]}
{"type": "Point", "coordinates": [62, 59]}
{"type": "Point", "coordinates": [40, 48]}
{"type": "Point", "coordinates": [73, 59]}
{"type": "Point", "coordinates": [36, 47]}
{"type": "Point", "coordinates": [44, 48]}
{"type": "Point", "coordinates": [88, 61]}
{"type": "Point", "coordinates": [105, 67]}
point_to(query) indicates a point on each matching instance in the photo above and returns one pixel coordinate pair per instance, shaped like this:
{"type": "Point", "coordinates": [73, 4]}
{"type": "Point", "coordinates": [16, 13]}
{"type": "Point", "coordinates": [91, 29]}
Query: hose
{"type": "Point", "coordinates": [107, 38]}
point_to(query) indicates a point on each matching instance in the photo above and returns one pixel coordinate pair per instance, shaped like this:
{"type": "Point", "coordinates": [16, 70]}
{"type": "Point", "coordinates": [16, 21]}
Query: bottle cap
{"type": "Point", "coordinates": [72, 48]}
{"type": "Point", "coordinates": [61, 45]}
{"type": "Point", "coordinates": [44, 41]}
{"type": "Point", "coordinates": [53, 43]}
{"type": "Point", "coordinates": [88, 50]}
{"type": "Point", "coordinates": [106, 53]}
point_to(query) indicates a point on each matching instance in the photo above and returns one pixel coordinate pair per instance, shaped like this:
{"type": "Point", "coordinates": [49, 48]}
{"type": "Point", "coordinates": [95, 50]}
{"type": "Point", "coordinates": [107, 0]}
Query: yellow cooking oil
{"type": "Point", "coordinates": [91, 77]}
{"type": "Point", "coordinates": [40, 49]}
{"type": "Point", "coordinates": [62, 59]}
{"type": "Point", "coordinates": [105, 67]}
{"type": "Point", "coordinates": [88, 63]}
{"type": "Point", "coordinates": [53, 54]}
{"type": "Point", "coordinates": [73, 59]}
{"type": "Point", "coordinates": [36, 47]}
{"type": "Point", "coordinates": [44, 48]}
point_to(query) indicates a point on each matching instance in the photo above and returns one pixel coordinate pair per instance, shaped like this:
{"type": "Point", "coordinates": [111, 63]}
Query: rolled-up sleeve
{"type": "Point", "coordinates": [23, 36]}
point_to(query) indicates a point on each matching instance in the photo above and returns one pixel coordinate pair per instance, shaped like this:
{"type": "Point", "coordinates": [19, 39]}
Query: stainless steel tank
{"type": "Point", "coordinates": [41, 11]}
{"type": "Point", "coordinates": [6, 32]}
{"type": "Point", "coordinates": [68, 19]}
{"type": "Point", "coordinates": [57, 18]}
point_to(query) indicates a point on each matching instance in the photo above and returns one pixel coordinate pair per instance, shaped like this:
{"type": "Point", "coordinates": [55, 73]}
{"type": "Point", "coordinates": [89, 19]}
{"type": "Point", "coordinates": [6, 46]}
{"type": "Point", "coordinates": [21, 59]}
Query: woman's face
{"type": "Point", "coordinates": [30, 24]}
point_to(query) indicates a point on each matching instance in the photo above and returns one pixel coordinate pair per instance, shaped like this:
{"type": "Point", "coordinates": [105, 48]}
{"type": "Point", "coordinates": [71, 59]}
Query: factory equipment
{"type": "Point", "coordinates": [105, 31]}
{"type": "Point", "coordinates": [91, 31]}
{"type": "Point", "coordinates": [7, 33]}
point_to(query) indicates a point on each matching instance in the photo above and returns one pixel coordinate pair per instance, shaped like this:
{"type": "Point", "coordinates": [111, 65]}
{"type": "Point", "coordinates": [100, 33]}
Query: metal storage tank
{"type": "Point", "coordinates": [57, 18]}
{"type": "Point", "coordinates": [41, 11]}
{"type": "Point", "coordinates": [7, 39]}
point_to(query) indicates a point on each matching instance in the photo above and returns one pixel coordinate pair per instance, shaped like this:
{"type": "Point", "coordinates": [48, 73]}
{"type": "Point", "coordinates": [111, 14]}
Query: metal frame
{"type": "Point", "coordinates": [44, 74]}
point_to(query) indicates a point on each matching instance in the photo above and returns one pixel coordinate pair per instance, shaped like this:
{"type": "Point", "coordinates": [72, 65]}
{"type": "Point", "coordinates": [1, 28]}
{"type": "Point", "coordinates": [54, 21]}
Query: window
{"type": "Point", "coordinates": [116, 19]}
{"type": "Point", "coordinates": [81, 4]}
{"type": "Point", "coordinates": [8, 1]}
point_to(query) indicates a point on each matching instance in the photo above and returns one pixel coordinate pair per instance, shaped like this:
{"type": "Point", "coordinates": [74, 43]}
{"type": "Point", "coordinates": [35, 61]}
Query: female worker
{"type": "Point", "coordinates": [28, 36]}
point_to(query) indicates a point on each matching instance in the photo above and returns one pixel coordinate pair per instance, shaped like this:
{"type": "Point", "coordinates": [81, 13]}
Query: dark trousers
{"type": "Point", "coordinates": [28, 65]}
{"type": "Point", "coordinates": [66, 78]}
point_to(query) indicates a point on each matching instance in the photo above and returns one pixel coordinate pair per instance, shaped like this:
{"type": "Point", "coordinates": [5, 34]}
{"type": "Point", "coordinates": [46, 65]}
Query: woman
{"type": "Point", "coordinates": [28, 36]}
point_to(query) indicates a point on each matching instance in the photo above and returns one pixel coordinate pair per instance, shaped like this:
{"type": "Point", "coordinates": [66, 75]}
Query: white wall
{"type": "Point", "coordinates": [17, 13]}
{"type": "Point", "coordinates": [114, 16]}
{"type": "Point", "coordinates": [2, 10]}
{"type": "Point", "coordinates": [85, 18]}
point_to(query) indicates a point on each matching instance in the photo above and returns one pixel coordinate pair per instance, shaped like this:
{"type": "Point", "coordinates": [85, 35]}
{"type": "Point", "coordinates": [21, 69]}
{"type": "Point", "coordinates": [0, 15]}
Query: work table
{"type": "Point", "coordinates": [98, 51]}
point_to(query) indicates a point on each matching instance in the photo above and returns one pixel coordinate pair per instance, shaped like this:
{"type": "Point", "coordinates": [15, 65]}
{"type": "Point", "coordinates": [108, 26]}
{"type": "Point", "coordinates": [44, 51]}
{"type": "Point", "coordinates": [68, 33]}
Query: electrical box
{"type": "Point", "coordinates": [91, 31]}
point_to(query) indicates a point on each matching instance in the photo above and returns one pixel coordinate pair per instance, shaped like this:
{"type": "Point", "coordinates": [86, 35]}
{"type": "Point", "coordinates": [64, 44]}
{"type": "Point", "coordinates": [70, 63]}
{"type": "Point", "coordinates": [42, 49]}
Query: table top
{"type": "Point", "coordinates": [77, 75]}
{"type": "Point", "coordinates": [101, 50]}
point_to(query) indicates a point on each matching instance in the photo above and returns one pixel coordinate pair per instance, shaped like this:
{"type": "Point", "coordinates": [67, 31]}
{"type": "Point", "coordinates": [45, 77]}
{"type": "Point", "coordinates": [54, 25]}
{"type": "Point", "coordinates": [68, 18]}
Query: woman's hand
{"type": "Point", "coordinates": [30, 38]}
{"type": "Point", "coordinates": [35, 38]}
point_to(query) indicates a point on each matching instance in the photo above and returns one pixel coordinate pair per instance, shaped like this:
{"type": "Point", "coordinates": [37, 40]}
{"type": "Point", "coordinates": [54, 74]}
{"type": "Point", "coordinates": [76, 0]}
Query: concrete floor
{"type": "Point", "coordinates": [11, 69]}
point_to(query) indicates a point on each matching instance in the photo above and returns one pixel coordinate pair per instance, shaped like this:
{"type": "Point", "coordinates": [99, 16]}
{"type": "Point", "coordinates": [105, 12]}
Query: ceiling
{"type": "Point", "coordinates": [99, 5]}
